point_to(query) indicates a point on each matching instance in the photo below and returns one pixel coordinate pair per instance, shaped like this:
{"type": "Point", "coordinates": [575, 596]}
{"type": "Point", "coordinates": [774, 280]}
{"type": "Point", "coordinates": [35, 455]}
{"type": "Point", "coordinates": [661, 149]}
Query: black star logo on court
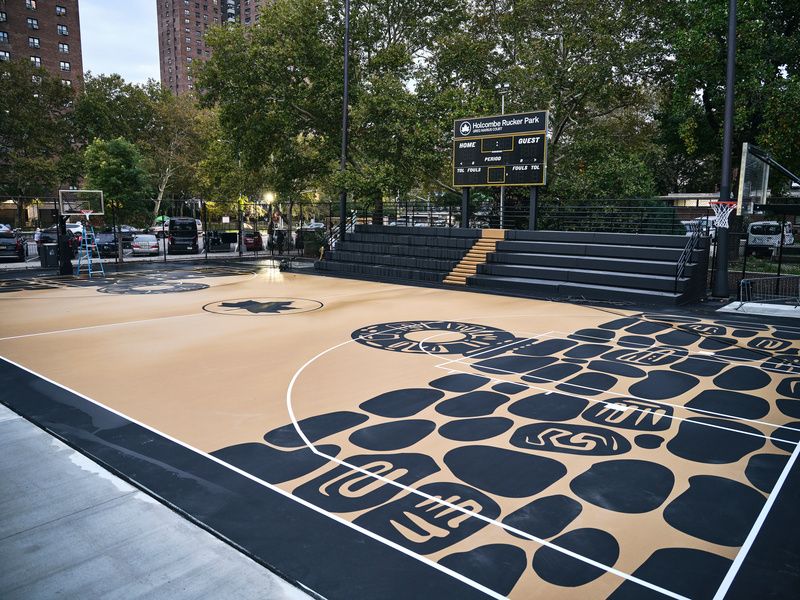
{"type": "Point", "coordinates": [255, 307]}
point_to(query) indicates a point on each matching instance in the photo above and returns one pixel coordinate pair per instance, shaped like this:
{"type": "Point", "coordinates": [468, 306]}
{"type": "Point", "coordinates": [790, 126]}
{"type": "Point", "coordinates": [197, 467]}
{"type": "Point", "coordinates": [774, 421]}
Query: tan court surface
{"type": "Point", "coordinates": [568, 444]}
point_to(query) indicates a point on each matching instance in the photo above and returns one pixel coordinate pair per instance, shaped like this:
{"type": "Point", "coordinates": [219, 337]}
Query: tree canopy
{"type": "Point", "coordinates": [635, 93]}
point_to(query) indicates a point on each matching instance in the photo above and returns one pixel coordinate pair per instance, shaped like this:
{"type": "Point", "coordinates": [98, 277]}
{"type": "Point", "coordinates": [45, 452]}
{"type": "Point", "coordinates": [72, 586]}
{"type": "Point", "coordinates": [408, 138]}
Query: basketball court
{"type": "Point", "coordinates": [372, 440]}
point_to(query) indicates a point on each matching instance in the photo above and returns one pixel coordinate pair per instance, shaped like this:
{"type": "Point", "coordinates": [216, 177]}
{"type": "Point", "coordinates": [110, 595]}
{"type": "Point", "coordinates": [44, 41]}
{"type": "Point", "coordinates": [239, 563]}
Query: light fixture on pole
{"type": "Point", "coordinates": [502, 89]}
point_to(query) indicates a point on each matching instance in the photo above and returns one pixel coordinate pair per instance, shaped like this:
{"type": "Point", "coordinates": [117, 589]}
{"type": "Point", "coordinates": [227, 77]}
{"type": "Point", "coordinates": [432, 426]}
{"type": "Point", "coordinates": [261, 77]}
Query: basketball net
{"type": "Point", "coordinates": [722, 210]}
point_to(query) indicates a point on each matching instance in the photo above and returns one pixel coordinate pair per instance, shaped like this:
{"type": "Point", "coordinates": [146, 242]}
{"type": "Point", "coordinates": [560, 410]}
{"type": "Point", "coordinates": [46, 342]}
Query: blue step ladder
{"type": "Point", "coordinates": [87, 247]}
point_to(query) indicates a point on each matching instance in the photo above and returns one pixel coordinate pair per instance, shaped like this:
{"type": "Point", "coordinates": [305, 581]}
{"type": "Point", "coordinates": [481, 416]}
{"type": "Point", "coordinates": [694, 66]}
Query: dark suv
{"type": "Point", "coordinates": [183, 235]}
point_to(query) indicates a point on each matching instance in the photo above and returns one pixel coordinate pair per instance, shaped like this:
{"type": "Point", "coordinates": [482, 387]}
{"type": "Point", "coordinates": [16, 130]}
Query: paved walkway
{"type": "Point", "coordinates": [71, 529]}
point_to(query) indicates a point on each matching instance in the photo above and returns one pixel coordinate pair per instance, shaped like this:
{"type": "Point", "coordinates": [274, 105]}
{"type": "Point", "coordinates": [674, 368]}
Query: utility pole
{"type": "Point", "coordinates": [502, 89]}
{"type": "Point", "coordinates": [345, 99]}
{"type": "Point", "coordinates": [721, 280]}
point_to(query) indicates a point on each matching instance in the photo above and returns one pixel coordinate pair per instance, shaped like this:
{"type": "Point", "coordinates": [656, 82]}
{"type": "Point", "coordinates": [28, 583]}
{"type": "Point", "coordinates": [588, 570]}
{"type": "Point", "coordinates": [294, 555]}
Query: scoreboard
{"type": "Point", "coordinates": [507, 150]}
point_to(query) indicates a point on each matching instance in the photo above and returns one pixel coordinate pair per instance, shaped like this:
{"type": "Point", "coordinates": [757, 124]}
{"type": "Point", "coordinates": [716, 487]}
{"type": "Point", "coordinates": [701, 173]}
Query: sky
{"type": "Point", "coordinates": [120, 36]}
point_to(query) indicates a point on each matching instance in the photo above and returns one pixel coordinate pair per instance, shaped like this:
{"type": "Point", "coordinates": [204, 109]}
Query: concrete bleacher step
{"type": "Point", "coordinates": [553, 288]}
{"type": "Point", "coordinates": [592, 238]}
{"type": "Point", "coordinates": [596, 250]}
{"type": "Point", "coordinates": [571, 261]}
{"type": "Point", "coordinates": [574, 275]}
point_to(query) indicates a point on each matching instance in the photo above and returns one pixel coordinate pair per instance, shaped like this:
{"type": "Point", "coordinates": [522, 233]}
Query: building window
{"type": "Point", "coordinates": [30, 4]}
{"type": "Point", "coordinates": [3, 17]}
{"type": "Point", "coordinates": [62, 30]}
{"type": "Point", "coordinates": [63, 48]}
{"type": "Point", "coordinates": [37, 62]}
{"type": "Point", "coordinates": [4, 55]}
{"type": "Point", "coordinates": [33, 23]}
{"type": "Point", "coordinates": [33, 42]}
{"type": "Point", "coordinates": [64, 65]}
{"type": "Point", "coordinates": [3, 37]}
{"type": "Point", "coordinates": [60, 11]}
{"type": "Point", "coordinates": [66, 82]}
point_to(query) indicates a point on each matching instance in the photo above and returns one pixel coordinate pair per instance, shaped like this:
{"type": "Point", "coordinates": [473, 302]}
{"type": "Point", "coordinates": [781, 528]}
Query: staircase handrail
{"type": "Point", "coordinates": [686, 255]}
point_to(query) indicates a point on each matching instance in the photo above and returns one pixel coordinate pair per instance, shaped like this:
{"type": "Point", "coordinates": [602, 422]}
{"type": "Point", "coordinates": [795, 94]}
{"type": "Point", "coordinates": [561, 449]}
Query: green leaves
{"type": "Point", "coordinates": [115, 167]}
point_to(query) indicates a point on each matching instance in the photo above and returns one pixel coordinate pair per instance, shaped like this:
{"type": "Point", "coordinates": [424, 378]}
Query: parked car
{"type": "Point", "coordinates": [160, 231]}
{"type": "Point", "coordinates": [106, 245]}
{"type": "Point", "coordinates": [216, 242]}
{"type": "Point", "coordinates": [764, 236]}
{"type": "Point", "coordinates": [50, 236]}
{"type": "Point", "coordinates": [183, 235]}
{"type": "Point", "coordinates": [705, 225]}
{"type": "Point", "coordinates": [145, 243]}
{"type": "Point", "coordinates": [253, 241]}
{"type": "Point", "coordinates": [11, 246]}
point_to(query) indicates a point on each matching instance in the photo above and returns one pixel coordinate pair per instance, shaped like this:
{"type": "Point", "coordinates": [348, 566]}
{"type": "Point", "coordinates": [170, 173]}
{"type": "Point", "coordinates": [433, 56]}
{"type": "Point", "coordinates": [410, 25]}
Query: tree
{"type": "Point", "coordinates": [115, 167]}
{"type": "Point", "coordinates": [165, 129]}
{"type": "Point", "coordinates": [172, 145]}
{"type": "Point", "coordinates": [767, 86]}
{"type": "Point", "coordinates": [108, 107]}
{"type": "Point", "coordinates": [35, 150]}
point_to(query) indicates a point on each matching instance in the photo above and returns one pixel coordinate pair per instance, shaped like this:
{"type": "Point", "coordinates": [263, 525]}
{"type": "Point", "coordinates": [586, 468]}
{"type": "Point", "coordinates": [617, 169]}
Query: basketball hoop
{"type": "Point", "coordinates": [86, 214]}
{"type": "Point", "coordinates": [722, 210]}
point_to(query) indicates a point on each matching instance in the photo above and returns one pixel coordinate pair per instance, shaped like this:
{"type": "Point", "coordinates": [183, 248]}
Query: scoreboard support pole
{"type": "Point", "coordinates": [532, 209]}
{"type": "Point", "coordinates": [465, 207]}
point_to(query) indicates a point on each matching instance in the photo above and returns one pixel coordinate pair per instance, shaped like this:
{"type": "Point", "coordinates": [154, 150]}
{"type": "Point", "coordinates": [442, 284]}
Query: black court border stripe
{"type": "Point", "coordinates": [300, 544]}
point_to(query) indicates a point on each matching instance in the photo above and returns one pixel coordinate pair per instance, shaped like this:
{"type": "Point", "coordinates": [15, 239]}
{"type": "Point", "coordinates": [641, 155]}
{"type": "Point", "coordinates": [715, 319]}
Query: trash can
{"type": "Point", "coordinates": [48, 256]}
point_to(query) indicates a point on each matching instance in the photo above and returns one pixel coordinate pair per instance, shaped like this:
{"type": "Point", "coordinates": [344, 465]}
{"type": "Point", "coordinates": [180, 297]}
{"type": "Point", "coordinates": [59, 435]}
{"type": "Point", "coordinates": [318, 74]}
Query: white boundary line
{"type": "Point", "coordinates": [443, 502]}
{"type": "Point", "coordinates": [745, 549]}
{"type": "Point", "coordinates": [74, 329]}
{"type": "Point", "coordinates": [272, 487]}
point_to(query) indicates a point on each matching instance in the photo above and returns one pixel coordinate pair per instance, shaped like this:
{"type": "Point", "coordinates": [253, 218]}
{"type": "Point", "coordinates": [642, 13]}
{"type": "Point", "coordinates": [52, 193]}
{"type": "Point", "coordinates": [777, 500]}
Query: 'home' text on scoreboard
{"type": "Point", "coordinates": [500, 150]}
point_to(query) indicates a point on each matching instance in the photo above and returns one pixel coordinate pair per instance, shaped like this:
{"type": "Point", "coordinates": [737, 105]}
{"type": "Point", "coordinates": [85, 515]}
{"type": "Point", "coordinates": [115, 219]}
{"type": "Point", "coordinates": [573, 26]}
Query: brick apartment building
{"type": "Point", "coordinates": [46, 32]}
{"type": "Point", "coordinates": [182, 25]}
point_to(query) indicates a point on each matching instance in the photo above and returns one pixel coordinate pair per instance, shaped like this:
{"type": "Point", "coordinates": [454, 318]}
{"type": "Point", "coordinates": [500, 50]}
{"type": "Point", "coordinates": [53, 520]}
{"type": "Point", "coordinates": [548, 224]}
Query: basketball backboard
{"type": "Point", "coordinates": [81, 202]}
{"type": "Point", "coordinates": [753, 181]}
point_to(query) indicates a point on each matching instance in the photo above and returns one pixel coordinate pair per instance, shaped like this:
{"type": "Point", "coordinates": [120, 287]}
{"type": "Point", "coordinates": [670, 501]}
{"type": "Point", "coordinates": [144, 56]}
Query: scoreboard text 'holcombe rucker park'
{"type": "Point", "coordinates": [506, 150]}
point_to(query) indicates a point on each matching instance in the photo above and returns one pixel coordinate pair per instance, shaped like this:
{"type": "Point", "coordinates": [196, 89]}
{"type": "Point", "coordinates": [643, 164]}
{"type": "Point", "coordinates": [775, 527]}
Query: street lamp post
{"type": "Point", "coordinates": [343, 160]}
{"type": "Point", "coordinates": [502, 89]}
{"type": "Point", "coordinates": [721, 280]}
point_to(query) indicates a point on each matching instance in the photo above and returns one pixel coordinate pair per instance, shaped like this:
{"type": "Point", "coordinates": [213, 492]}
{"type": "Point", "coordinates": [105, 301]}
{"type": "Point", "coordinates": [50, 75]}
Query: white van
{"type": "Point", "coordinates": [764, 236]}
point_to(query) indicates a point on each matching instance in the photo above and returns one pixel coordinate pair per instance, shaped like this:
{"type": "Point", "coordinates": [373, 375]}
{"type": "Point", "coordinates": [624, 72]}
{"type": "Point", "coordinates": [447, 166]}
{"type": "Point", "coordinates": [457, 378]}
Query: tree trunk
{"type": "Point", "coordinates": [162, 185]}
{"type": "Point", "coordinates": [377, 215]}
{"type": "Point", "coordinates": [20, 218]}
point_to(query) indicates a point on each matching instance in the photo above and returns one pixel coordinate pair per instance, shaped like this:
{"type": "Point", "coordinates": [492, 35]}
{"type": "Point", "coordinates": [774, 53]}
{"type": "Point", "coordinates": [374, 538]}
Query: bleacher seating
{"type": "Point", "coordinates": [604, 266]}
{"type": "Point", "coordinates": [408, 253]}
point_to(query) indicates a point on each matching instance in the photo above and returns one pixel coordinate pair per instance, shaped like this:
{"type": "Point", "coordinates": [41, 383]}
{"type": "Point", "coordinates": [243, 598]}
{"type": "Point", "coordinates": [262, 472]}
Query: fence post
{"type": "Point", "coordinates": [780, 252]}
{"type": "Point", "coordinates": [205, 229]}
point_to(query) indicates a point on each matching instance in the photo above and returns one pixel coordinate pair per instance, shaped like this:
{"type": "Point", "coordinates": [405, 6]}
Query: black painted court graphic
{"type": "Point", "coordinates": [263, 306]}
{"type": "Point", "coordinates": [648, 417]}
{"type": "Point", "coordinates": [152, 287]}
{"type": "Point", "coordinates": [432, 337]}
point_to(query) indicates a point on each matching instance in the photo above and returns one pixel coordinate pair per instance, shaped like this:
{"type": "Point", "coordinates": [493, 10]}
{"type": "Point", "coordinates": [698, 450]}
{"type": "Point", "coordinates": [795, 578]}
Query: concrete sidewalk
{"type": "Point", "coordinates": [69, 528]}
